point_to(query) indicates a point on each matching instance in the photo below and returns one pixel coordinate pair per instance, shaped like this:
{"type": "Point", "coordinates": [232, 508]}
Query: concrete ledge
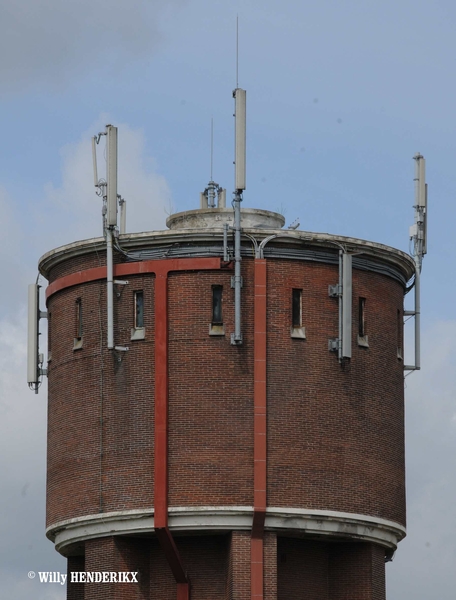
{"type": "Point", "coordinates": [301, 522]}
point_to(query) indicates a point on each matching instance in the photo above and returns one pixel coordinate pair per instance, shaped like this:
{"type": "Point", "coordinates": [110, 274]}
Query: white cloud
{"type": "Point", "coordinates": [72, 211]}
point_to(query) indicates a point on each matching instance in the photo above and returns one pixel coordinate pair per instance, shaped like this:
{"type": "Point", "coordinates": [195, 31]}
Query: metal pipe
{"type": "Point", "coordinates": [339, 350]}
{"type": "Point", "coordinates": [226, 257]}
{"type": "Point", "coordinates": [236, 338]}
{"type": "Point", "coordinates": [417, 318]}
{"type": "Point", "coordinates": [110, 288]}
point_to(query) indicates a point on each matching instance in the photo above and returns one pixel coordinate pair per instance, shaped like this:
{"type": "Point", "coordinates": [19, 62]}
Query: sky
{"type": "Point", "coordinates": [340, 97]}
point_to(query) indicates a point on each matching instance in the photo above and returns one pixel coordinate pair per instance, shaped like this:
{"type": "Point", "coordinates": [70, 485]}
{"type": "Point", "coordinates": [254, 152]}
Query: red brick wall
{"type": "Point", "coordinates": [270, 566]}
{"type": "Point", "coordinates": [302, 570]}
{"type": "Point", "coordinates": [210, 395]}
{"type": "Point", "coordinates": [218, 566]}
{"type": "Point", "coordinates": [238, 578]}
{"type": "Point", "coordinates": [116, 554]}
{"type": "Point", "coordinates": [75, 591]}
{"type": "Point", "coordinates": [357, 572]}
{"type": "Point", "coordinates": [335, 436]}
{"type": "Point", "coordinates": [97, 402]}
{"type": "Point", "coordinates": [310, 570]}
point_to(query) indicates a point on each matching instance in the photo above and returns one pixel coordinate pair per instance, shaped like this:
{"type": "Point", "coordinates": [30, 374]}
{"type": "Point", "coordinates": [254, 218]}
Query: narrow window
{"type": "Point", "coordinates": [49, 320]}
{"type": "Point", "coordinates": [217, 317]}
{"type": "Point", "coordinates": [78, 325]}
{"type": "Point", "coordinates": [362, 317]}
{"type": "Point", "coordinates": [399, 328]}
{"type": "Point", "coordinates": [139, 309]}
{"type": "Point", "coordinates": [296, 309]}
{"type": "Point", "coordinates": [296, 329]}
{"type": "Point", "coordinates": [78, 319]}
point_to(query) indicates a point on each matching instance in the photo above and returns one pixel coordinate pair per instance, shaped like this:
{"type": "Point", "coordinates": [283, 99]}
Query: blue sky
{"type": "Point", "coordinates": [340, 96]}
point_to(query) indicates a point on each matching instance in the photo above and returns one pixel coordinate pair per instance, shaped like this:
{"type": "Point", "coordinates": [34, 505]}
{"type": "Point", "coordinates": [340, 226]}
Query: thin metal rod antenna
{"type": "Point", "coordinates": [237, 51]}
{"type": "Point", "coordinates": [212, 144]}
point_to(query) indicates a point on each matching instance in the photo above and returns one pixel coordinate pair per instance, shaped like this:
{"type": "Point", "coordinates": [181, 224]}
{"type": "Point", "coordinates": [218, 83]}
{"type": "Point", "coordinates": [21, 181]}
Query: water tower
{"type": "Point", "coordinates": [226, 402]}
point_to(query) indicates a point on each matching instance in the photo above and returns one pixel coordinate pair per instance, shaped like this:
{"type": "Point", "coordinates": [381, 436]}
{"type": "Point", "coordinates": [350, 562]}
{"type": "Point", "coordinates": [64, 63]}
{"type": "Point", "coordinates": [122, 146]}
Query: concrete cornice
{"type": "Point", "coordinates": [197, 236]}
{"type": "Point", "coordinates": [205, 519]}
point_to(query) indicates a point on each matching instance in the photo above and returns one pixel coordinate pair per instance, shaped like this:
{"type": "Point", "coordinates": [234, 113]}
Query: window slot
{"type": "Point", "coordinates": [362, 317]}
{"type": "Point", "coordinates": [78, 325]}
{"type": "Point", "coordinates": [297, 330]}
{"type": "Point", "coordinates": [296, 309]}
{"type": "Point", "coordinates": [79, 318]}
{"type": "Point", "coordinates": [216, 325]}
{"type": "Point", "coordinates": [363, 340]}
{"type": "Point", "coordinates": [49, 336]}
{"type": "Point", "coordinates": [139, 309]}
{"type": "Point", "coordinates": [138, 331]}
{"type": "Point", "coordinates": [399, 333]}
{"type": "Point", "coordinates": [217, 318]}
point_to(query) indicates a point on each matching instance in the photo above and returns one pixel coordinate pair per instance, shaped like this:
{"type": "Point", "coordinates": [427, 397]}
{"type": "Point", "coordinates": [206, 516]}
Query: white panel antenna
{"type": "Point", "coordinates": [347, 294]}
{"type": "Point", "coordinates": [418, 232]}
{"type": "Point", "coordinates": [32, 347]}
{"type": "Point", "coordinates": [34, 358]}
{"type": "Point", "coordinates": [221, 198]}
{"type": "Point", "coordinates": [240, 138]}
{"type": "Point", "coordinates": [94, 160]}
{"type": "Point", "coordinates": [111, 176]}
{"type": "Point", "coordinates": [418, 236]}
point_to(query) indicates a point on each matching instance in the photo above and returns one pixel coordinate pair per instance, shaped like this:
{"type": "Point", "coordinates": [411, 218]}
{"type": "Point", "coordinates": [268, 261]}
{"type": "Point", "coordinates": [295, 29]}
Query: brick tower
{"type": "Point", "coordinates": [264, 466]}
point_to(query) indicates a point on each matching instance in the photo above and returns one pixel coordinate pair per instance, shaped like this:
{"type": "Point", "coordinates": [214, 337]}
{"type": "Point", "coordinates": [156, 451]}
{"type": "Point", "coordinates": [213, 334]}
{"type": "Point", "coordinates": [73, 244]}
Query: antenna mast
{"type": "Point", "coordinates": [108, 190]}
{"type": "Point", "coordinates": [418, 235]}
{"type": "Point", "coordinates": [237, 51]}
{"type": "Point", "coordinates": [207, 198]}
{"type": "Point", "coordinates": [239, 96]}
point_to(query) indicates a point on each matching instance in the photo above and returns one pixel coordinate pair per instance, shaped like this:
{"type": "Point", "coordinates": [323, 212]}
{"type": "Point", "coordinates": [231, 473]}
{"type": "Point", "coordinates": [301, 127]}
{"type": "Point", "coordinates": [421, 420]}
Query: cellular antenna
{"type": "Point", "coordinates": [94, 160]}
{"type": "Point", "coordinates": [237, 51]}
{"type": "Point", "coordinates": [240, 137]}
{"type": "Point", "coordinates": [418, 236]}
{"type": "Point", "coordinates": [212, 144]}
{"type": "Point", "coordinates": [111, 200]}
{"type": "Point", "coordinates": [111, 177]}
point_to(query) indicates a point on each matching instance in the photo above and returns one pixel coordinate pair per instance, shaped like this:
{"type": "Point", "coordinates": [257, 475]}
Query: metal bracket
{"type": "Point", "coordinates": [235, 342]}
{"type": "Point", "coordinates": [119, 282]}
{"type": "Point", "coordinates": [334, 345]}
{"type": "Point", "coordinates": [233, 279]}
{"type": "Point", "coordinates": [334, 291]}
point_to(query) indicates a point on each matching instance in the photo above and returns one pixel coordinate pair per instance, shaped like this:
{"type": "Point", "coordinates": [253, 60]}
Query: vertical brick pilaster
{"type": "Point", "coordinates": [75, 591]}
{"type": "Point", "coordinates": [356, 571]}
{"type": "Point", "coordinates": [114, 555]}
{"type": "Point", "coordinates": [238, 580]}
{"type": "Point", "coordinates": [270, 566]}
